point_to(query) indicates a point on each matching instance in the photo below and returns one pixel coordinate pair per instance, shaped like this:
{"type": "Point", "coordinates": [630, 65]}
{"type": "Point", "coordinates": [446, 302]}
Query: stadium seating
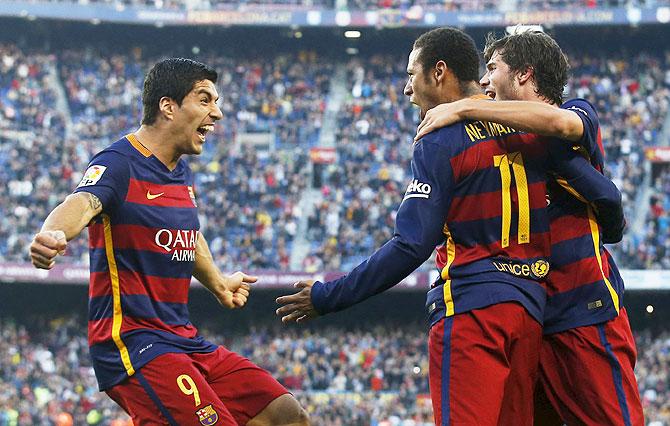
{"type": "Point", "coordinates": [362, 191]}
{"type": "Point", "coordinates": [360, 377]}
{"type": "Point", "coordinates": [631, 96]}
{"type": "Point", "coordinates": [450, 5]}
{"type": "Point", "coordinates": [249, 196]}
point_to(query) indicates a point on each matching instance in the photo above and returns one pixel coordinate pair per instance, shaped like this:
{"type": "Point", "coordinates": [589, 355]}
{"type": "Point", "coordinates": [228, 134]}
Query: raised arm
{"type": "Point", "coordinates": [64, 223]}
{"type": "Point", "coordinates": [531, 117]}
{"type": "Point", "coordinates": [231, 291]}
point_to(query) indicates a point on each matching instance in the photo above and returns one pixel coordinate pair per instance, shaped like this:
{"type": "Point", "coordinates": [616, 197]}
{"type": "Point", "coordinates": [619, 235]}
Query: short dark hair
{"type": "Point", "coordinates": [536, 50]}
{"type": "Point", "coordinates": [454, 47]}
{"type": "Point", "coordinates": [174, 78]}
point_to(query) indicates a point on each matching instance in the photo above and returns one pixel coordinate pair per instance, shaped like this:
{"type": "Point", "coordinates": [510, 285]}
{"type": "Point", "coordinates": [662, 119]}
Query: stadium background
{"type": "Point", "coordinates": [301, 179]}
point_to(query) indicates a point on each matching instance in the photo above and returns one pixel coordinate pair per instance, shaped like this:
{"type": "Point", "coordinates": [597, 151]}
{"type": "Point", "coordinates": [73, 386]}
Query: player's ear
{"type": "Point", "coordinates": [440, 71]}
{"type": "Point", "coordinates": [526, 76]}
{"type": "Point", "coordinates": [167, 106]}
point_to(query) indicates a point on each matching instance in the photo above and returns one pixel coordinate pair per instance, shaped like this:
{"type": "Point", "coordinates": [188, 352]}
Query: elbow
{"type": "Point", "coordinates": [413, 250]}
{"type": "Point", "coordinates": [614, 234]}
{"type": "Point", "coordinates": [569, 126]}
{"type": "Point", "coordinates": [567, 129]}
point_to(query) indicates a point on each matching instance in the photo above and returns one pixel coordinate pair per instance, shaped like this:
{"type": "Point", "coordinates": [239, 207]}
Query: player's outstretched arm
{"type": "Point", "coordinates": [231, 291]}
{"type": "Point", "coordinates": [418, 230]}
{"type": "Point", "coordinates": [532, 117]}
{"type": "Point", "coordinates": [64, 223]}
{"type": "Point", "coordinates": [298, 307]}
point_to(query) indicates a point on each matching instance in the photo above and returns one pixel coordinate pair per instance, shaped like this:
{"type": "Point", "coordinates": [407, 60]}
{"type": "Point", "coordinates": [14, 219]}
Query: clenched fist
{"type": "Point", "coordinates": [45, 247]}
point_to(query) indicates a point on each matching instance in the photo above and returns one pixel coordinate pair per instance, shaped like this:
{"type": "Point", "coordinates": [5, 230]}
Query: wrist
{"type": "Point", "coordinates": [316, 299]}
{"type": "Point", "coordinates": [464, 108]}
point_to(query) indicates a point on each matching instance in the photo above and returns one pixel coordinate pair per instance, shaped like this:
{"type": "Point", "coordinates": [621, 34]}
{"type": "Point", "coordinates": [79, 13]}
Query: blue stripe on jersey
{"type": "Point", "coordinates": [570, 309]}
{"type": "Point", "coordinates": [474, 232]}
{"type": "Point", "coordinates": [168, 217]}
{"type": "Point", "coordinates": [141, 261]}
{"type": "Point", "coordinates": [475, 291]}
{"type": "Point", "coordinates": [143, 346]}
{"type": "Point", "coordinates": [148, 174]}
{"type": "Point", "coordinates": [140, 306]}
{"type": "Point", "coordinates": [572, 250]}
{"type": "Point", "coordinates": [487, 180]}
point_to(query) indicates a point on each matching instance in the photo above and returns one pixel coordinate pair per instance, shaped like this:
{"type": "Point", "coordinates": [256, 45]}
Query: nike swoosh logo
{"type": "Point", "coordinates": [151, 196]}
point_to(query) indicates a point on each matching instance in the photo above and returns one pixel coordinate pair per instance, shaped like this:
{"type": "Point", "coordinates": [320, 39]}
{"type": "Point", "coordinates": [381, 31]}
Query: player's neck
{"type": "Point", "coordinates": [528, 92]}
{"type": "Point", "coordinates": [470, 89]}
{"type": "Point", "coordinates": [461, 91]}
{"type": "Point", "coordinates": [154, 140]}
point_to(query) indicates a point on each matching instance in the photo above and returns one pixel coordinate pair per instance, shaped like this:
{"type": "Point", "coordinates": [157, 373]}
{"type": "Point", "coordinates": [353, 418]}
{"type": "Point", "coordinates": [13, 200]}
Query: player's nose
{"type": "Point", "coordinates": [408, 89]}
{"type": "Point", "coordinates": [484, 81]}
{"type": "Point", "coordinates": [216, 113]}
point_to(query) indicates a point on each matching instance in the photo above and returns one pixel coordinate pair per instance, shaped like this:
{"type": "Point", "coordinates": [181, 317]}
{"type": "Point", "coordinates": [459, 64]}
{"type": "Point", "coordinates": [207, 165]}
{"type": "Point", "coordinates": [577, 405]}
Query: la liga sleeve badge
{"type": "Point", "coordinates": [92, 175]}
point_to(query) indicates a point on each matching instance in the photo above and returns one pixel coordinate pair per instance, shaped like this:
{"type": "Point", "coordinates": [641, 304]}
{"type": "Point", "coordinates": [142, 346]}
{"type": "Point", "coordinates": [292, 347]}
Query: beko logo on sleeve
{"type": "Point", "coordinates": [417, 189]}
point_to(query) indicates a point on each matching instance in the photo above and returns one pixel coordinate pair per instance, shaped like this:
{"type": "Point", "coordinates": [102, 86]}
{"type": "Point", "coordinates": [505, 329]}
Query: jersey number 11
{"type": "Point", "coordinates": [509, 163]}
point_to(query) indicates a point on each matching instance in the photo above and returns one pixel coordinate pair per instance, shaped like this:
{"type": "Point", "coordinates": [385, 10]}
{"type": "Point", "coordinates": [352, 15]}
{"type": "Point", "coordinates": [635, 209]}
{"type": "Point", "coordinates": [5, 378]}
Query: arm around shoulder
{"type": "Point", "coordinates": [531, 117]}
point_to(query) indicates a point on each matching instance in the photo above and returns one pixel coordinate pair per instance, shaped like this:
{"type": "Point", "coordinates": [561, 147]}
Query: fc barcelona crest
{"type": "Point", "coordinates": [207, 415]}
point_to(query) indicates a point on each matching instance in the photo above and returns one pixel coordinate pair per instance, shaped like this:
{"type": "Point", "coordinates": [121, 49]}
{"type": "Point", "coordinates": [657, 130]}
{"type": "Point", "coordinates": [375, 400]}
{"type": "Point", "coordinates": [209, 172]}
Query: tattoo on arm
{"type": "Point", "coordinates": [94, 201]}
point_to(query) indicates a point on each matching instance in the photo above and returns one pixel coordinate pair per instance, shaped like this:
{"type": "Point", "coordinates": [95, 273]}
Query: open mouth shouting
{"type": "Point", "coordinates": [203, 130]}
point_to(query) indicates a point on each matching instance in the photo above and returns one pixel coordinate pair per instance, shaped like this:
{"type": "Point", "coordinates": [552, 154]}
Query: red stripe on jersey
{"type": "Point", "coordinates": [573, 275]}
{"type": "Point", "coordinates": [99, 284]}
{"type": "Point", "coordinates": [96, 236]}
{"type": "Point", "coordinates": [599, 141]}
{"type": "Point", "coordinates": [99, 331]}
{"type": "Point", "coordinates": [569, 227]}
{"type": "Point", "coordinates": [171, 290]}
{"type": "Point", "coordinates": [153, 194]}
{"type": "Point", "coordinates": [470, 208]}
{"type": "Point", "coordinates": [470, 160]}
{"type": "Point", "coordinates": [533, 146]}
{"type": "Point", "coordinates": [465, 255]}
{"type": "Point", "coordinates": [139, 237]}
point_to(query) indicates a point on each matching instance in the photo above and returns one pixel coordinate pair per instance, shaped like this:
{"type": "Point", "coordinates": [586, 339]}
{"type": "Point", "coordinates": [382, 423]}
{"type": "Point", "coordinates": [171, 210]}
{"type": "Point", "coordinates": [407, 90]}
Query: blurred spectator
{"type": "Point", "coordinates": [368, 376]}
{"type": "Point", "coordinates": [255, 167]}
{"type": "Point", "coordinates": [450, 5]}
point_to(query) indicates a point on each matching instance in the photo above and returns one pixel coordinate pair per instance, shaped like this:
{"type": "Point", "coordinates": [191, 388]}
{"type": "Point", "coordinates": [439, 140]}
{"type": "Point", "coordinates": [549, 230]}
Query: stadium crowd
{"type": "Point", "coordinates": [361, 192]}
{"type": "Point", "coordinates": [357, 377]}
{"type": "Point", "coordinates": [632, 97]}
{"type": "Point", "coordinates": [450, 5]}
{"type": "Point", "coordinates": [651, 248]}
{"type": "Point", "coordinates": [352, 378]}
{"type": "Point", "coordinates": [252, 217]}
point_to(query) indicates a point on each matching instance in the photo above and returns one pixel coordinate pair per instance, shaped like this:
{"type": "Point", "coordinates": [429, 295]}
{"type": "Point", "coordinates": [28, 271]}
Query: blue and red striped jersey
{"type": "Point", "coordinates": [142, 254]}
{"type": "Point", "coordinates": [584, 286]}
{"type": "Point", "coordinates": [478, 191]}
